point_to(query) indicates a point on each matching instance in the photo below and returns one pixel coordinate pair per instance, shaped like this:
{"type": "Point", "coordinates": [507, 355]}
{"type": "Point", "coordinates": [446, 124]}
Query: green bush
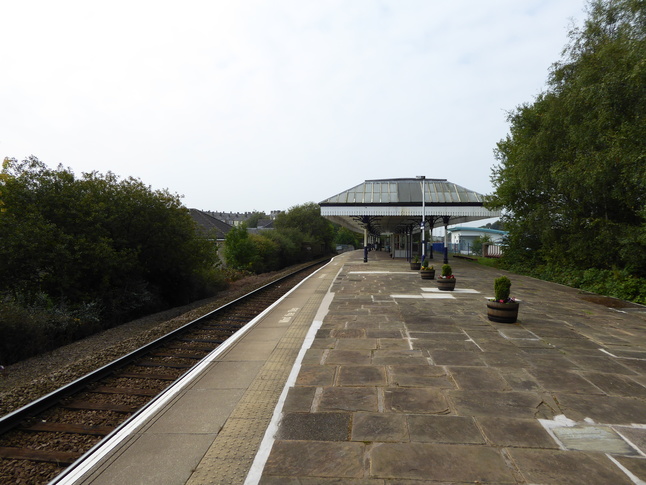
{"type": "Point", "coordinates": [301, 234]}
{"type": "Point", "coordinates": [28, 331]}
{"type": "Point", "coordinates": [502, 287]}
{"type": "Point", "coordinates": [615, 283]}
{"type": "Point", "coordinates": [97, 238]}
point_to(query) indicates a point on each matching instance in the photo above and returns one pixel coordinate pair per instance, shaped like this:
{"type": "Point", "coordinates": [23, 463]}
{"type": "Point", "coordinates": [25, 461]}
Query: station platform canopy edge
{"type": "Point", "coordinates": [391, 206]}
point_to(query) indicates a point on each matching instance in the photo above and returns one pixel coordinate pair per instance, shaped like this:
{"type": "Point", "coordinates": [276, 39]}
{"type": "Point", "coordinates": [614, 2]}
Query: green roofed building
{"type": "Point", "coordinates": [391, 211]}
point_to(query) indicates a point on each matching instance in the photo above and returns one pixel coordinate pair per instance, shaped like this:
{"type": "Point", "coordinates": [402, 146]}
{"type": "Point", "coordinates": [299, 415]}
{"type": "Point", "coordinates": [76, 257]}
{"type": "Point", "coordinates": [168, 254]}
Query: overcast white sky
{"type": "Point", "coordinates": [244, 105]}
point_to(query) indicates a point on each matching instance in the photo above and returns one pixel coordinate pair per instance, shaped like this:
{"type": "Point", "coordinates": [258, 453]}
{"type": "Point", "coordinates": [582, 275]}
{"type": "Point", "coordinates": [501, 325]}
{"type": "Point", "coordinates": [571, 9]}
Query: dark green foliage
{"type": "Point", "coordinates": [238, 249]}
{"type": "Point", "coordinates": [498, 225]}
{"type": "Point", "coordinates": [346, 236]}
{"type": "Point", "coordinates": [317, 230]}
{"type": "Point", "coordinates": [289, 242]}
{"type": "Point", "coordinates": [447, 270]}
{"type": "Point", "coordinates": [572, 172]}
{"type": "Point", "coordinates": [478, 243]}
{"type": "Point", "coordinates": [29, 331]}
{"type": "Point", "coordinates": [252, 221]}
{"type": "Point", "coordinates": [502, 286]}
{"type": "Point", "coordinates": [300, 235]}
{"type": "Point", "coordinates": [611, 282]}
{"type": "Point", "coordinates": [96, 240]}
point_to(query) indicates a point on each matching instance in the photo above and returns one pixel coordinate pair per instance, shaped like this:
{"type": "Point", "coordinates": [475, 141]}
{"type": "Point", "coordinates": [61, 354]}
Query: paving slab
{"type": "Point", "coordinates": [478, 378]}
{"type": "Point", "coordinates": [380, 427]}
{"type": "Point", "coordinates": [616, 384]}
{"type": "Point", "coordinates": [514, 432]}
{"type": "Point", "coordinates": [636, 467]}
{"type": "Point", "coordinates": [434, 462]}
{"type": "Point", "coordinates": [316, 459]}
{"type": "Point", "coordinates": [444, 429]}
{"type": "Point", "coordinates": [348, 399]}
{"type": "Point", "coordinates": [636, 436]}
{"type": "Point", "coordinates": [513, 404]}
{"type": "Point", "coordinates": [602, 409]}
{"type": "Point", "coordinates": [415, 400]}
{"type": "Point", "coordinates": [361, 375]}
{"type": "Point", "coordinates": [567, 467]}
{"type": "Point", "coordinates": [315, 426]}
{"type": "Point", "coordinates": [554, 379]}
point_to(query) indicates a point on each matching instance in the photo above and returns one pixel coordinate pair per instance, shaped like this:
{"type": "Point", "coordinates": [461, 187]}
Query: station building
{"type": "Point", "coordinates": [391, 213]}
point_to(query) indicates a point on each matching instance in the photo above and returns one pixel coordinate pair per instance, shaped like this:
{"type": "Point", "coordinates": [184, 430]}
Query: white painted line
{"type": "Point", "coordinates": [93, 456]}
{"type": "Point", "coordinates": [470, 339]}
{"type": "Point", "coordinates": [561, 421]}
{"type": "Point", "coordinates": [383, 272]}
{"type": "Point", "coordinates": [457, 290]}
{"type": "Point", "coordinates": [255, 472]}
{"type": "Point", "coordinates": [618, 429]}
{"type": "Point", "coordinates": [635, 479]}
{"type": "Point", "coordinates": [618, 356]}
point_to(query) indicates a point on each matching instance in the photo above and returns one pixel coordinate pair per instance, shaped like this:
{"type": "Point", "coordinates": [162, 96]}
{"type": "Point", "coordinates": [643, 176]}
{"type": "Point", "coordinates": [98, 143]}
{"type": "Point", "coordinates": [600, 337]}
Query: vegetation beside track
{"type": "Point", "coordinates": [82, 254]}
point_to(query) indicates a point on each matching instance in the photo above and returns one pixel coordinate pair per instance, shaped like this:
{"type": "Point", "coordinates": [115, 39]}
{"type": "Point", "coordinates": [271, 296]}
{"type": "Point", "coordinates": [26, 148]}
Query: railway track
{"type": "Point", "coordinates": [38, 441]}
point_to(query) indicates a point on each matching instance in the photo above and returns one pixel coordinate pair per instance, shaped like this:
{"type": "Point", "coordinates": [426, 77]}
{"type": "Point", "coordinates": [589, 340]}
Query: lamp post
{"type": "Point", "coordinates": [422, 179]}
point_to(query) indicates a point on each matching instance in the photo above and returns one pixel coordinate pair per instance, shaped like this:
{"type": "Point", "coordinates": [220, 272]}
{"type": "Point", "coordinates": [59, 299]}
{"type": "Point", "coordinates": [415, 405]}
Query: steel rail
{"type": "Point", "coordinates": [14, 418]}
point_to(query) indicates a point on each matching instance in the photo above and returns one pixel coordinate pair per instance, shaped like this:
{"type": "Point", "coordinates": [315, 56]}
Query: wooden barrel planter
{"type": "Point", "coordinates": [446, 284]}
{"type": "Point", "coordinates": [415, 266]}
{"type": "Point", "coordinates": [502, 312]}
{"type": "Point", "coordinates": [428, 274]}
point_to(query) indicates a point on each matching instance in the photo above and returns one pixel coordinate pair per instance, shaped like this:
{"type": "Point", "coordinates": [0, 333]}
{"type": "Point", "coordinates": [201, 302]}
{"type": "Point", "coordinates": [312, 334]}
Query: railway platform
{"type": "Point", "coordinates": [367, 374]}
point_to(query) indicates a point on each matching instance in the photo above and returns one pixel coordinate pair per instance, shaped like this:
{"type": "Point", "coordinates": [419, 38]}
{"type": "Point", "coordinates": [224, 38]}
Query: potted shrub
{"type": "Point", "coordinates": [415, 264]}
{"type": "Point", "coordinates": [446, 281]}
{"type": "Point", "coordinates": [502, 308]}
{"type": "Point", "coordinates": [427, 272]}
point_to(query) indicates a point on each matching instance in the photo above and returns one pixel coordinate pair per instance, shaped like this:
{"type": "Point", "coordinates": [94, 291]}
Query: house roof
{"type": "Point", "coordinates": [395, 205]}
{"type": "Point", "coordinates": [209, 224]}
{"type": "Point", "coordinates": [477, 229]}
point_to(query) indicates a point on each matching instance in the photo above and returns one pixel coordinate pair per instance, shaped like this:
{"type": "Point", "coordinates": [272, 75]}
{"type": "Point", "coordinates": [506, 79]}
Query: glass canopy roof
{"type": "Point", "coordinates": [406, 191]}
{"type": "Point", "coordinates": [395, 205]}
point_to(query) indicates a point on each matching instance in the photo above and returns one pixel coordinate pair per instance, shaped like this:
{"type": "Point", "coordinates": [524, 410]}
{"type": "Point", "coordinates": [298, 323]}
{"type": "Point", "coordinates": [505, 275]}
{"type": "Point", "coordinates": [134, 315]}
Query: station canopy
{"type": "Point", "coordinates": [393, 206]}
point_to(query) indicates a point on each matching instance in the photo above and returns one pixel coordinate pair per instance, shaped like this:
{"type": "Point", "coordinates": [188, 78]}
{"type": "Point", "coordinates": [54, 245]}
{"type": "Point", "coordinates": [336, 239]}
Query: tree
{"type": "Point", "coordinates": [571, 175]}
{"type": "Point", "coordinates": [238, 250]}
{"type": "Point", "coordinates": [498, 225]}
{"type": "Point", "coordinates": [256, 216]}
{"type": "Point", "coordinates": [478, 242]}
{"type": "Point", "coordinates": [96, 238]}
{"type": "Point", "coordinates": [307, 219]}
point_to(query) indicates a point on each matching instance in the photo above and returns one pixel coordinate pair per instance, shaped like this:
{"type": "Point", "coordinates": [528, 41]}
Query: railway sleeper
{"type": "Point", "coordinates": [130, 391]}
{"type": "Point", "coordinates": [221, 326]}
{"type": "Point", "coordinates": [69, 428]}
{"type": "Point", "coordinates": [141, 375]}
{"type": "Point", "coordinates": [101, 406]}
{"type": "Point", "coordinates": [152, 363]}
{"type": "Point", "coordinates": [195, 348]}
{"type": "Point", "coordinates": [58, 457]}
{"type": "Point", "coordinates": [201, 340]}
{"type": "Point", "coordinates": [178, 355]}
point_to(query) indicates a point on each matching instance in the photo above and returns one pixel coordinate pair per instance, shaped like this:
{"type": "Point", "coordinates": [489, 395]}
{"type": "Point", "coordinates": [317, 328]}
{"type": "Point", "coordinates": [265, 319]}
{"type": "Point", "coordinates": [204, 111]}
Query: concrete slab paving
{"type": "Point", "coordinates": [179, 452]}
{"type": "Point", "coordinates": [445, 396]}
{"type": "Point", "coordinates": [437, 463]}
{"type": "Point", "coordinates": [571, 467]}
